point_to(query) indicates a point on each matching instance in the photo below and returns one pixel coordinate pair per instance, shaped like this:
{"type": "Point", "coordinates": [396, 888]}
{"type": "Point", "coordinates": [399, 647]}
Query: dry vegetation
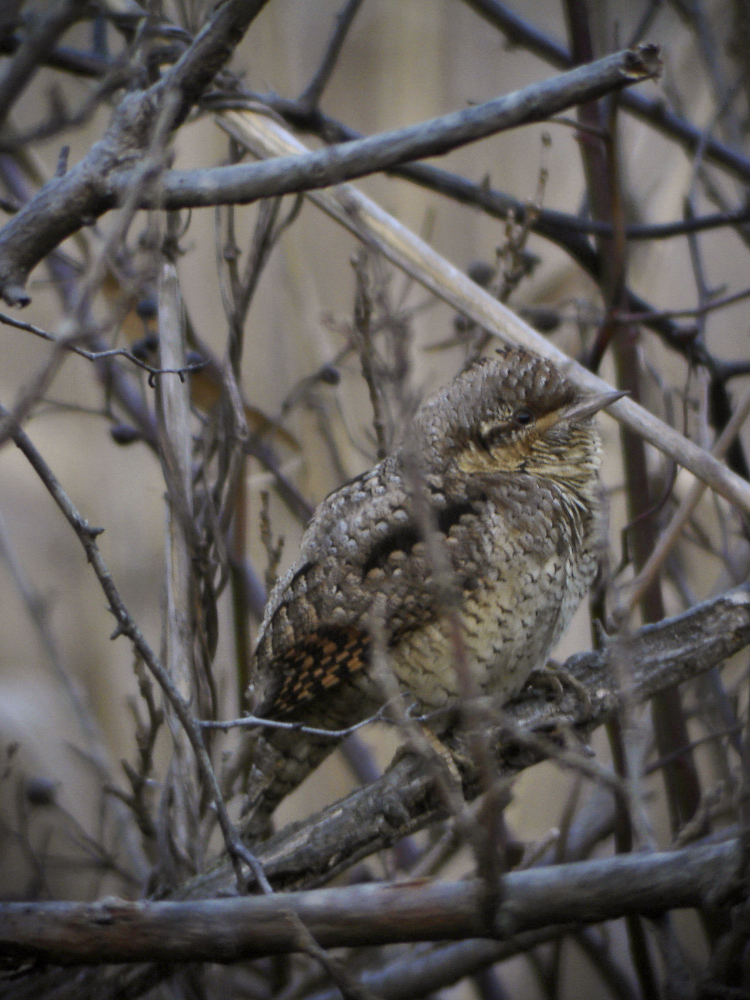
{"type": "Point", "coordinates": [232, 307]}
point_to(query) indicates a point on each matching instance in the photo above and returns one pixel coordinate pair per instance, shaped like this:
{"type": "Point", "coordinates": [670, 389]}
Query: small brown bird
{"type": "Point", "coordinates": [505, 458]}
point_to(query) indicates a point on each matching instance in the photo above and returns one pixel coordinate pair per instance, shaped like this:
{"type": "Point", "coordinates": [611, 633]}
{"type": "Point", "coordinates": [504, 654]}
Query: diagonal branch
{"type": "Point", "coordinates": [404, 800]}
{"type": "Point", "coordinates": [652, 110]}
{"type": "Point", "coordinates": [243, 183]}
{"type": "Point", "coordinates": [35, 48]}
{"type": "Point", "coordinates": [375, 227]}
{"type": "Point", "coordinates": [312, 93]}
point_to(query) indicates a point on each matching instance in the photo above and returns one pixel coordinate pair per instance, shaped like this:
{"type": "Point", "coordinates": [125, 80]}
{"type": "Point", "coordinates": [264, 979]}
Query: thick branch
{"type": "Point", "coordinates": [651, 110]}
{"type": "Point", "coordinates": [66, 203]}
{"type": "Point", "coordinates": [102, 178]}
{"type": "Point", "coordinates": [548, 222]}
{"type": "Point", "coordinates": [285, 175]}
{"type": "Point", "coordinates": [569, 232]}
{"type": "Point", "coordinates": [230, 930]}
{"type": "Point", "coordinates": [404, 800]}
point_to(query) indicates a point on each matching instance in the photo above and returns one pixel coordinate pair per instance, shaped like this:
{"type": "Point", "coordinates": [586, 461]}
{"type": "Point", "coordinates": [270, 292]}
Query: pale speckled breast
{"type": "Point", "coordinates": [530, 590]}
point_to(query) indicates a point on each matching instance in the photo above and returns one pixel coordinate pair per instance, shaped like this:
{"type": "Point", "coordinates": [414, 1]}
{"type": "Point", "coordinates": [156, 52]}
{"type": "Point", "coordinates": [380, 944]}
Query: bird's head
{"type": "Point", "coordinates": [516, 414]}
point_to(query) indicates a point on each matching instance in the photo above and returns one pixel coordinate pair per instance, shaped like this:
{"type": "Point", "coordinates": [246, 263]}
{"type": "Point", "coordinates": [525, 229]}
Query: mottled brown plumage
{"type": "Point", "coordinates": [507, 455]}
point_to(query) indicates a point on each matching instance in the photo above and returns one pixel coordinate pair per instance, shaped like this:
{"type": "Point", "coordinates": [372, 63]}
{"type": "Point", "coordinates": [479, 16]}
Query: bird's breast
{"type": "Point", "coordinates": [531, 574]}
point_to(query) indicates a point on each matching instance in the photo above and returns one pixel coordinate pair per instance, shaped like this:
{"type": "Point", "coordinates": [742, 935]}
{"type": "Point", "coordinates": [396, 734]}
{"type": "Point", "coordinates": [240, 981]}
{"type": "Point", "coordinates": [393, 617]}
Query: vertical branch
{"type": "Point", "coordinates": [670, 730]}
{"type": "Point", "coordinates": [241, 601]}
{"type": "Point", "coordinates": [600, 164]}
{"type": "Point", "coordinates": [362, 335]}
{"type": "Point", "coordinates": [600, 160]}
{"type": "Point", "coordinates": [175, 446]}
{"type": "Point", "coordinates": [237, 297]}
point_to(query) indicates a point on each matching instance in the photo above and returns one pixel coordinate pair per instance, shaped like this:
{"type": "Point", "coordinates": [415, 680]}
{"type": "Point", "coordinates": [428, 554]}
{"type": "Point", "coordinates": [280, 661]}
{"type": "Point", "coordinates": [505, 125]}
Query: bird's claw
{"type": "Point", "coordinates": [553, 677]}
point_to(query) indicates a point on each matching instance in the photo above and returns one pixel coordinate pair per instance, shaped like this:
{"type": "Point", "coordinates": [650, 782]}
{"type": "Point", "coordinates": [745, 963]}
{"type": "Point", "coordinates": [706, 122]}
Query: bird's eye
{"type": "Point", "coordinates": [495, 435]}
{"type": "Point", "coordinates": [523, 417]}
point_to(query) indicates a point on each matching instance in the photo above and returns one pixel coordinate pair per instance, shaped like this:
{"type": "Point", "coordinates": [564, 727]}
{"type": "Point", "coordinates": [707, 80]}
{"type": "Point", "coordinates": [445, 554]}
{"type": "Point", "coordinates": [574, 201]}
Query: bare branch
{"type": "Point", "coordinates": [230, 930]}
{"type": "Point", "coordinates": [404, 800]}
{"type": "Point", "coordinates": [648, 109]}
{"type": "Point", "coordinates": [313, 91]}
{"type": "Point", "coordinates": [370, 223]}
{"type": "Point", "coordinates": [35, 48]}
{"type": "Point", "coordinates": [102, 178]}
{"type": "Point", "coordinates": [82, 191]}
{"type": "Point", "coordinates": [181, 794]}
{"type": "Point", "coordinates": [243, 183]}
{"type": "Point", "coordinates": [127, 626]}
{"type": "Point", "coordinates": [638, 587]}
{"type": "Point", "coordinates": [420, 974]}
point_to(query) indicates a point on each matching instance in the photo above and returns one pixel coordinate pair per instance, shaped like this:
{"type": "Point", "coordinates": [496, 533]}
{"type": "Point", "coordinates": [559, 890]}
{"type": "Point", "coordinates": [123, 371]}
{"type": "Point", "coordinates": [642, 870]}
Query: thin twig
{"type": "Point", "coordinates": [115, 352]}
{"type": "Point", "coordinates": [312, 93]}
{"type": "Point", "coordinates": [128, 627]}
{"type": "Point", "coordinates": [253, 721]}
{"type": "Point", "coordinates": [682, 515]}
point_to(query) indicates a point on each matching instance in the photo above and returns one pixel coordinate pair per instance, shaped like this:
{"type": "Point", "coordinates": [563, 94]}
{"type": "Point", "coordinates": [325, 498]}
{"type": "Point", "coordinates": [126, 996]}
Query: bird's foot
{"type": "Point", "coordinates": [449, 760]}
{"type": "Point", "coordinates": [426, 744]}
{"type": "Point", "coordinates": [554, 677]}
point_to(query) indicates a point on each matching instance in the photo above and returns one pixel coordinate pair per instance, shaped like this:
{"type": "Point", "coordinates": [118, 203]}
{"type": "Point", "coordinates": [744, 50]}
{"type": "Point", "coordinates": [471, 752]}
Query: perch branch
{"type": "Point", "coordinates": [404, 800]}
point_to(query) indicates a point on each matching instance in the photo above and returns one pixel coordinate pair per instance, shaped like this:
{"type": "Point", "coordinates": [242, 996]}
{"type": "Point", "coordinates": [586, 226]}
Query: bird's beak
{"type": "Point", "coordinates": [592, 404]}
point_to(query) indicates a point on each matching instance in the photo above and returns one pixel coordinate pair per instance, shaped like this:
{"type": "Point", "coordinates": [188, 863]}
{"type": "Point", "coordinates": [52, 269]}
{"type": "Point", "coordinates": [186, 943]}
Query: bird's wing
{"type": "Point", "coordinates": [317, 629]}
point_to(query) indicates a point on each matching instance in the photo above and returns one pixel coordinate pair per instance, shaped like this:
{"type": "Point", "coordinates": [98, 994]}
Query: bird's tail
{"type": "Point", "coordinates": [281, 762]}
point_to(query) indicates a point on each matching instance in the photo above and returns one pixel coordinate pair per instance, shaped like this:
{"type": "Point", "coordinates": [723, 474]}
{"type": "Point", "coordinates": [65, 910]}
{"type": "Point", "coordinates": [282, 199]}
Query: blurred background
{"type": "Point", "coordinates": [403, 61]}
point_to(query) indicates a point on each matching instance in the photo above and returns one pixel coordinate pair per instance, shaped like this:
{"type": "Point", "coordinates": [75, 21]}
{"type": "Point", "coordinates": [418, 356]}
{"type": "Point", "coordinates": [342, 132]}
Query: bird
{"type": "Point", "coordinates": [489, 513]}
